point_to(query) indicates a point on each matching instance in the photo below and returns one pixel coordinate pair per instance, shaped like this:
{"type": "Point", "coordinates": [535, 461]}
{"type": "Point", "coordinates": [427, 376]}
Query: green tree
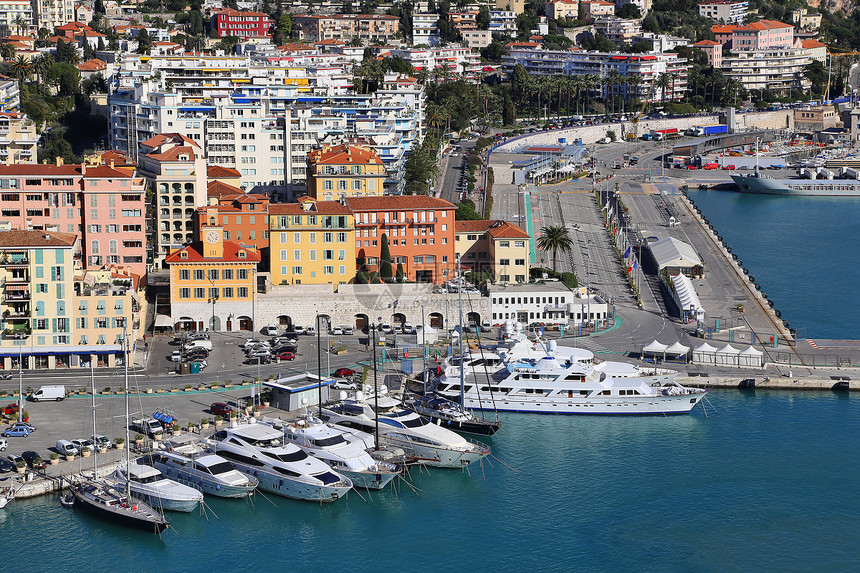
{"type": "Point", "coordinates": [466, 211]}
{"type": "Point", "coordinates": [483, 18]}
{"type": "Point", "coordinates": [817, 74]}
{"type": "Point", "coordinates": [285, 24]}
{"type": "Point", "coordinates": [399, 274]}
{"type": "Point", "coordinates": [144, 42]}
{"type": "Point", "coordinates": [385, 259]}
{"type": "Point", "coordinates": [65, 77]}
{"type": "Point", "coordinates": [7, 51]}
{"type": "Point", "coordinates": [21, 68]}
{"type": "Point", "coordinates": [629, 11]}
{"type": "Point", "coordinates": [509, 111]}
{"type": "Point", "coordinates": [89, 54]}
{"type": "Point", "coordinates": [66, 52]}
{"type": "Point", "coordinates": [555, 238]}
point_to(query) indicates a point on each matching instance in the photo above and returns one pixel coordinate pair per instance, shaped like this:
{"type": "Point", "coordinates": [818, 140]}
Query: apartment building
{"type": "Point", "coordinates": [370, 28]}
{"type": "Point", "coordinates": [503, 21]}
{"type": "Point", "coordinates": [51, 14]}
{"type": "Point", "coordinates": [18, 138]}
{"type": "Point", "coordinates": [455, 59]}
{"type": "Point", "coordinates": [561, 9]}
{"type": "Point", "coordinates": [464, 21]}
{"type": "Point", "coordinates": [724, 11]}
{"type": "Point", "coordinates": [649, 67]}
{"type": "Point", "coordinates": [106, 207]}
{"type": "Point", "coordinates": [714, 51]}
{"type": "Point", "coordinates": [312, 242]}
{"type": "Point", "coordinates": [175, 168]}
{"type": "Point", "coordinates": [515, 6]}
{"type": "Point", "coordinates": [594, 9]}
{"type": "Point", "coordinates": [425, 29]}
{"type": "Point", "coordinates": [10, 97]}
{"type": "Point", "coordinates": [244, 217]}
{"type": "Point", "coordinates": [618, 30]}
{"type": "Point", "coordinates": [242, 25]}
{"type": "Point", "coordinates": [816, 49]}
{"type": "Point", "coordinates": [496, 247]}
{"type": "Point", "coordinates": [763, 35]}
{"type": "Point", "coordinates": [16, 18]}
{"type": "Point", "coordinates": [54, 314]}
{"type": "Point", "coordinates": [344, 171]}
{"type": "Point", "coordinates": [780, 70]}
{"type": "Point", "coordinates": [212, 284]}
{"type": "Point", "coordinates": [723, 32]}
{"type": "Point", "coordinates": [477, 39]}
{"type": "Point", "coordinates": [420, 231]}
{"type": "Point", "coordinates": [805, 20]}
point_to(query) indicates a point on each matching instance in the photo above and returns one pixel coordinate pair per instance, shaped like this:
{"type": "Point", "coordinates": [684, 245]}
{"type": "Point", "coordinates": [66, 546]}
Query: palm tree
{"type": "Point", "coordinates": [42, 66]}
{"type": "Point", "coordinates": [21, 68]}
{"type": "Point", "coordinates": [195, 43]}
{"type": "Point", "coordinates": [555, 238]}
{"type": "Point", "coordinates": [22, 24]}
{"type": "Point", "coordinates": [663, 81]}
{"type": "Point", "coordinates": [7, 51]}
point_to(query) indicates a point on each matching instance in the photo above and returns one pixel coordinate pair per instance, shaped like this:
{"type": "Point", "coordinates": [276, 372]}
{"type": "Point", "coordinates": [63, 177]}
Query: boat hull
{"type": "Point", "coordinates": [154, 499]}
{"type": "Point", "coordinates": [797, 187]}
{"type": "Point", "coordinates": [627, 405]}
{"type": "Point", "coordinates": [118, 516]}
{"type": "Point", "coordinates": [294, 489]}
{"type": "Point", "coordinates": [207, 486]}
{"type": "Point", "coordinates": [368, 480]}
{"type": "Point", "coordinates": [434, 456]}
{"type": "Point", "coordinates": [477, 428]}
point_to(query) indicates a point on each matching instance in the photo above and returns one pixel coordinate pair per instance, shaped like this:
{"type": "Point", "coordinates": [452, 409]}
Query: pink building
{"type": "Point", "coordinates": [714, 50]}
{"type": "Point", "coordinates": [104, 206]}
{"type": "Point", "coordinates": [763, 35]}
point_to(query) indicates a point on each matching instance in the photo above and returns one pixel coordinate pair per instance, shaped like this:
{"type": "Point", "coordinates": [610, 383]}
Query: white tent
{"type": "Point", "coordinates": [686, 297]}
{"type": "Point", "coordinates": [727, 355]}
{"type": "Point", "coordinates": [704, 354]}
{"type": "Point", "coordinates": [751, 356]}
{"type": "Point", "coordinates": [678, 349]}
{"type": "Point", "coordinates": [654, 348]}
{"type": "Point", "coordinates": [670, 252]}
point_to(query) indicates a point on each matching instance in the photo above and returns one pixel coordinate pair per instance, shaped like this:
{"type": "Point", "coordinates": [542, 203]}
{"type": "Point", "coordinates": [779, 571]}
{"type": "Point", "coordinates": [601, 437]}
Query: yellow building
{"type": "Point", "coordinates": [344, 171]}
{"type": "Point", "coordinates": [311, 242]}
{"type": "Point", "coordinates": [18, 138]}
{"type": "Point", "coordinates": [212, 283]}
{"type": "Point", "coordinates": [56, 315]}
{"type": "Point", "coordinates": [496, 247]}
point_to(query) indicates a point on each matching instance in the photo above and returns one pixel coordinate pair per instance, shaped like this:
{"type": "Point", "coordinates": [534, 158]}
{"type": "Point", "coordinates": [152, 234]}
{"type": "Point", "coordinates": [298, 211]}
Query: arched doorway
{"type": "Point", "coordinates": [398, 319]}
{"type": "Point", "coordinates": [186, 324]}
{"type": "Point", "coordinates": [361, 321]}
{"type": "Point", "coordinates": [436, 320]}
{"type": "Point", "coordinates": [323, 323]}
{"type": "Point", "coordinates": [215, 323]}
{"type": "Point", "coordinates": [284, 320]}
{"type": "Point", "coordinates": [245, 323]}
{"type": "Point", "coordinates": [473, 318]}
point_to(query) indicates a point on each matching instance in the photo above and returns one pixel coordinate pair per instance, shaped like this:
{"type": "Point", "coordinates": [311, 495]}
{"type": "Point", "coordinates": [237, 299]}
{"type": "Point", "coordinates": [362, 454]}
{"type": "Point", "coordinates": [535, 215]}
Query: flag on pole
{"type": "Point", "coordinates": [609, 213]}
{"type": "Point", "coordinates": [605, 207]}
{"type": "Point", "coordinates": [627, 252]}
{"type": "Point", "coordinates": [629, 269]}
{"type": "Point", "coordinates": [635, 264]}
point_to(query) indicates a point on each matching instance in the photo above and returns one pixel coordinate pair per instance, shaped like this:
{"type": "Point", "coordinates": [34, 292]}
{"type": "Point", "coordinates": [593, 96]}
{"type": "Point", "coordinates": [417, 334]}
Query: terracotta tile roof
{"type": "Point", "coordinates": [707, 43]}
{"type": "Point", "coordinates": [73, 170]}
{"type": "Point", "coordinates": [813, 43]}
{"type": "Point", "coordinates": [93, 65]}
{"type": "Point", "coordinates": [344, 155]}
{"type": "Point", "coordinates": [765, 25]}
{"type": "Point", "coordinates": [222, 190]}
{"type": "Point", "coordinates": [216, 171]}
{"type": "Point", "coordinates": [522, 45]}
{"type": "Point", "coordinates": [231, 254]}
{"type": "Point", "coordinates": [330, 42]}
{"type": "Point", "coordinates": [163, 138]}
{"type": "Point", "coordinates": [724, 28]}
{"type": "Point", "coordinates": [319, 207]}
{"type": "Point", "coordinates": [232, 12]}
{"type": "Point", "coordinates": [73, 26]}
{"type": "Point", "coordinates": [174, 154]}
{"type": "Point", "coordinates": [105, 172]}
{"type": "Point", "coordinates": [117, 157]}
{"type": "Point", "coordinates": [18, 45]}
{"type": "Point", "coordinates": [496, 228]}
{"type": "Point", "coordinates": [12, 239]}
{"type": "Point", "coordinates": [396, 202]}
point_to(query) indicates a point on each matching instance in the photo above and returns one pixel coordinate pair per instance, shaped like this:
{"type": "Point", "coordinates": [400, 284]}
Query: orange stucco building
{"type": "Point", "coordinates": [243, 216]}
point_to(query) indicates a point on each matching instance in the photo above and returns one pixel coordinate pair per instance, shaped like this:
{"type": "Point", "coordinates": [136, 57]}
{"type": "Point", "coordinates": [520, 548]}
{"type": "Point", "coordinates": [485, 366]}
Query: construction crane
{"type": "Point", "coordinates": [636, 119]}
{"type": "Point", "coordinates": [830, 67]}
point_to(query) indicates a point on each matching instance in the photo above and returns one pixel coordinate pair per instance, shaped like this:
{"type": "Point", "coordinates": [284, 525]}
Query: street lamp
{"type": "Point", "coordinates": [212, 324]}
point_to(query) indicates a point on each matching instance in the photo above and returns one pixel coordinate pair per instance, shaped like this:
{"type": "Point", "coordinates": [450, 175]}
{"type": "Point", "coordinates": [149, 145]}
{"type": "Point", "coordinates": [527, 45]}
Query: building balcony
{"type": "Point", "coordinates": [16, 296]}
{"type": "Point", "coordinates": [12, 259]}
{"type": "Point", "coordinates": [18, 279]}
{"type": "Point", "coordinates": [17, 332]}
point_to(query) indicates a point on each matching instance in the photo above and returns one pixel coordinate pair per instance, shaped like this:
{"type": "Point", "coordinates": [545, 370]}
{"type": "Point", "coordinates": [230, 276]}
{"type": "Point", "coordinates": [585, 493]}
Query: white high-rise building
{"type": "Point", "coordinates": [52, 13]}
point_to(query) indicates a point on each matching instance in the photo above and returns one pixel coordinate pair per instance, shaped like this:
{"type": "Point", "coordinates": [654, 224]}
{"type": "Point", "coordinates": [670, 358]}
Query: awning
{"type": "Point", "coordinates": [163, 321]}
{"type": "Point", "coordinates": [51, 350]}
{"type": "Point", "coordinates": [655, 347]}
{"type": "Point", "coordinates": [677, 349]}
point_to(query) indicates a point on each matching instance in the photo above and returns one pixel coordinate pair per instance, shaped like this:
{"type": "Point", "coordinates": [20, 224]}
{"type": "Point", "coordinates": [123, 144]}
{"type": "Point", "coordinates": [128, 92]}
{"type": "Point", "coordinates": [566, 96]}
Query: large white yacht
{"type": "Point", "coordinates": [423, 441]}
{"type": "Point", "coordinates": [147, 483]}
{"type": "Point", "coordinates": [341, 450]}
{"type": "Point", "coordinates": [259, 450]}
{"type": "Point", "coordinates": [545, 382]}
{"type": "Point", "coordinates": [186, 462]}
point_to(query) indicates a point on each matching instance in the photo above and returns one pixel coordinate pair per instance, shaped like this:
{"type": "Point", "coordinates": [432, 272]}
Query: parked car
{"type": "Point", "coordinates": [711, 166]}
{"type": "Point", "coordinates": [398, 329]}
{"type": "Point", "coordinates": [285, 348]}
{"type": "Point", "coordinates": [16, 432]}
{"type": "Point", "coordinates": [286, 356]}
{"type": "Point", "coordinates": [337, 331]}
{"type": "Point", "coordinates": [30, 427]}
{"type": "Point", "coordinates": [485, 326]}
{"type": "Point", "coordinates": [386, 328]}
{"type": "Point", "coordinates": [201, 361]}
{"type": "Point", "coordinates": [34, 460]}
{"type": "Point", "coordinates": [176, 356]}
{"type": "Point", "coordinates": [196, 354]}
{"type": "Point", "coordinates": [344, 385]}
{"type": "Point", "coordinates": [5, 375]}
{"type": "Point", "coordinates": [205, 344]}
{"type": "Point", "coordinates": [2, 444]}
{"type": "Point", "coordinates": [298, 329]}
{"type": "Point", "coordinates": [220, 409]}
{"type": "Point", "coordinates": [344, 372]}
{"type": "Point", "coordinates": [100, 441]}
{"type": "Point", "coordinates": [408, 328]}
{"type": "Point", "coordinates": [271, 330]}
{"type": "Point", "coordinates": [691, 167]}
{"type": "Point", "coordinates": [14, 459]}
{"type": "Point", "coordinates": [258, 360]}
{"type": "Point", "coordinates": [310, 331]}
{"type": "Point", "coordinates": [10, 409]}
{"type": "Point", "coordinates": [347, 330]}
{"type": "Point", "coordinates": [259, 352]}
{"type": "Point", "coordinates": [729, 167]}
{"type": "Point", "coordinates": [197, 336]}
{"type": "Point", "coordinates": [82, 445]}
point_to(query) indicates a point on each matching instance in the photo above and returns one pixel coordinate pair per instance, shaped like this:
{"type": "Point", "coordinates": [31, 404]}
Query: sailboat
{"type": "Point", "coordinates": [7, 492]}
{"type": "Point", "coordinates": [101, 498]}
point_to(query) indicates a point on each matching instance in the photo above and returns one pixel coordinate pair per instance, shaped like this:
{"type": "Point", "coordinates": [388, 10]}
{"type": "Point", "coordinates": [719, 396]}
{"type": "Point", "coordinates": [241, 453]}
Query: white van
{"type": "Point", "coordinates": [66, 448]}
{"type": "Point", "coordinates": [205, 344]}
{"type": "Point", "coordinates": [57, 393]}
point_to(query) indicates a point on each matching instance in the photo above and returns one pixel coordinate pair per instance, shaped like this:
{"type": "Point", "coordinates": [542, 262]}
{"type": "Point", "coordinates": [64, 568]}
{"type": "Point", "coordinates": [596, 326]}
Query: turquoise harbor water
{"type": "Point", "coordinates": [763, 483]}
{"type": "Point", "coordinates": [802, 250]}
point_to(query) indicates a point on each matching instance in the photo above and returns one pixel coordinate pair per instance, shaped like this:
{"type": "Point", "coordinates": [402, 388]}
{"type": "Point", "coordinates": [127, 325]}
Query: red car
{"type": "Point", "coordinates": [729, 167]}
{"type": "Point", "coordinates": [711, 166]}
{"type": "Point", "coordinates": [220, 409]}
{"type": "Point", "coordinates": [344, 372]}
{"type": "Point", "coordinates": [691, 167]}
{"type": "Point", "coordinates": [10, 409]}
{"type": "Point", "coordinates": [286, 356]}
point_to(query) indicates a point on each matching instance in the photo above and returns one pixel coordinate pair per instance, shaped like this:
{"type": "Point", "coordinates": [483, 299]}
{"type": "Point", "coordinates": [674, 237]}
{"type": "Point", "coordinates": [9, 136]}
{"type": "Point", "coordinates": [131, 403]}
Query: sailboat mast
{"type": "Point", "coordinates": [375, 388]}
{"type": "Point", "coordinates": [127, 433]}
{"type": "Point", "coordinates": [460, 299]}
{"type": "Point", "coordinates": [96, 453]}
{"type": "Point", "coordinates": [424, 348]}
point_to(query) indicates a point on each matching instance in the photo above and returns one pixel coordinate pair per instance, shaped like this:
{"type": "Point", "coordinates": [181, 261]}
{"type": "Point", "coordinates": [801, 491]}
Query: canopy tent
{"type": "Point", "coordinates": [751, 356]}
{"type": "Point", "coordinates": [163, 321]}
{"type": "Point", "coordinates": [654, 348]}
{"type": "Point", "coordinates": [704, 354]}
{"type": "Point", "coordinates": [727, 355]}
{"type": "Point", "coordinates": [686, 297]}
{"type": "Point", "coordinates": [678, 350]}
